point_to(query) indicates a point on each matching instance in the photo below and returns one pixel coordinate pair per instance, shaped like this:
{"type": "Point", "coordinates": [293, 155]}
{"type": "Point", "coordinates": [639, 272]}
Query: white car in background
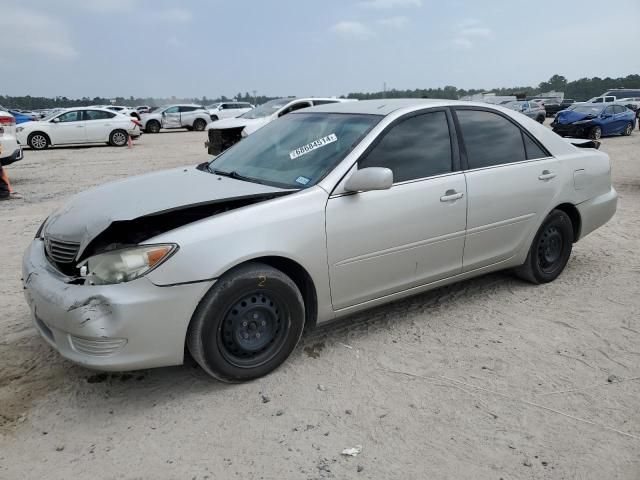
{"type": "Point", "coordinates": [191, 117]}
{"type": "Point", "coordinates": [78, 125]}
{"type": "Point", "coordinates": [224, 133]}
{"type": "Point", "coordinates": [221, 110]}
{"type": "Point", "coordinates": [10, 151]}
{"type": "Point", "coordinates": [132, 112]}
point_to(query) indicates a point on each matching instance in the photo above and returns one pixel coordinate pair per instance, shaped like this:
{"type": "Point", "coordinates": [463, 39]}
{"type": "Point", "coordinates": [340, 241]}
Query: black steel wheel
{"type": "Point", "coordinates": [595, 133]}
{"type": "Point", "coordinates": [247, 324]}
{"type": "Point", "coordinates": [550, 250]}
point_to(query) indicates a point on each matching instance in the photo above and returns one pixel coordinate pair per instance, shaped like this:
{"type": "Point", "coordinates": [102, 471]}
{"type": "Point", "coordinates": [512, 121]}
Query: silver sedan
{"type": "Point", "coordinates": [320, 214]}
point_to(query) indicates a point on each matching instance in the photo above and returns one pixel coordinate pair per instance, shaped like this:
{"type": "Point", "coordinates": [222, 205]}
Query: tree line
{"type": "Point", "coordinates": [581, 89]}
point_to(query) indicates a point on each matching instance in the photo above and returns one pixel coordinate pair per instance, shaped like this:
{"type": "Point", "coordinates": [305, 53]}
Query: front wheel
{"type": "Point", "coordinates": [199, 125]}
{"type": "Point", "coordinates": [550, 250]}
{"type": "Point", "coordinates": [628, 129]}
{"type": "Point", "coordinates": [38, 141]}
{"type": "Point", "coordinates": [247, 324]}
{"type": "Point", "coordinates": [595, 133]}
{"type": "Point", "coordinates": [153, 126]}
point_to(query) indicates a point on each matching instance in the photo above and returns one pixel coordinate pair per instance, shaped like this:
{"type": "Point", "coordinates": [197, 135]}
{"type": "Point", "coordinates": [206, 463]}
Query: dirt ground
{"type": "Point", "coordinates": [487, 379]}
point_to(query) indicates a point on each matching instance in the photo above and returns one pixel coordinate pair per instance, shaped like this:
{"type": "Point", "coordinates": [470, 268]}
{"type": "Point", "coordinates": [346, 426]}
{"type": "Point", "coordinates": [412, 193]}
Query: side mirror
{"type": "Point", "coordinates": [164, 114]}
{"type": "Point", "coordinates": [55, 120]}
{"type": "Point", "coordinates": [371, 178]}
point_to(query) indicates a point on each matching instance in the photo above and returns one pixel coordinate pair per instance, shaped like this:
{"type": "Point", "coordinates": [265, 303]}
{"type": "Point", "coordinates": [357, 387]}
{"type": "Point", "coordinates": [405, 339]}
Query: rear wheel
{"type": "Point", "coordinates": [628, 129]}
{"type": "Point", "coordinates": [153, 126]}
{"type": "Point", "coordinates": [540, 118]}
{"type": "Point", "coordinates": [550, 250]}
{"type": "Point", "coordinates": [118, 138]}
{"type": "Point", "coordinates": [595, 133]}
{"type": "Point", "coordinates": [247, 324]}
{"type": "Point", "coordinates": [199, 125]}
{"type": "Point", "coordinates": [38, 141]}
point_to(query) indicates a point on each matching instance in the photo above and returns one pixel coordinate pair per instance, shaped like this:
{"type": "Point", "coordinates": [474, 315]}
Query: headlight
{"type": "Point", "coordinates": [19, 129]}
{"type": "Point", "coordinates": [124, 265]}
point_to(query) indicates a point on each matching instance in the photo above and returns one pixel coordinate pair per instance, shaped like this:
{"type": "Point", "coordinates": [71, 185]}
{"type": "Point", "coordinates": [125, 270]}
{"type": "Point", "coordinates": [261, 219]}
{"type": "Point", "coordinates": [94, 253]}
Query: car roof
{"type": "Point", "coordinates": [386, 106]}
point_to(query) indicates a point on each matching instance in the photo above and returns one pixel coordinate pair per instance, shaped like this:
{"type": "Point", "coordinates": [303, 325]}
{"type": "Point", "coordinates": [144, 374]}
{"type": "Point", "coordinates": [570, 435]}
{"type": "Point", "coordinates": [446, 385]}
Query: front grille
{"type": "Point", "coordinates": [61, 251]}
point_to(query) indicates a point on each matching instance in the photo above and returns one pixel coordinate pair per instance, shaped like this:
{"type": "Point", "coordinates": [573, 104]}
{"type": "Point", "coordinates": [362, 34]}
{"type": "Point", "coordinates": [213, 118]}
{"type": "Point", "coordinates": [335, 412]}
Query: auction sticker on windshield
{"type": "Point", "coordinates": [310, 147]}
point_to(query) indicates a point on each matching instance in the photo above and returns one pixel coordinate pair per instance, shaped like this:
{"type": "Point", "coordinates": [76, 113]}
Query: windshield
{"type": "Point", "coordinates": [295, 151]}
{"type": "Point", "coordinates": [213, 106]}
{"type": "Point", "coordinates": [587, 109]}
{"type": "Point", "coordinates": [516, 105]}
{"type": "Point", "coordinates": [55, 113]}
{"type": "Point", "coordinates": [267, 109]}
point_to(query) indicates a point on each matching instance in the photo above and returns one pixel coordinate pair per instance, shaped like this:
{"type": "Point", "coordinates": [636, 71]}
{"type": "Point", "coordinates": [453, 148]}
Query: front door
{"type": "Point", "coordinates": [383, 242]}
{"type": "Point", "coordinates": [70, 128]}
{"type": "Point", "coordinates": [171, 118]}
{"type": "Point", "coordinates": [511, 186]}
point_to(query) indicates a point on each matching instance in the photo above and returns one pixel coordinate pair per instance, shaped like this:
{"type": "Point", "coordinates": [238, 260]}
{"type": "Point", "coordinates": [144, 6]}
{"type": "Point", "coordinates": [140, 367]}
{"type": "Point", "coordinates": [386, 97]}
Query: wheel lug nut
{"type": "Point", "coordinates": [245, 336]}
{"type": "Point", "coordinates": [263, 323]}
{"type": "Point", "coordinates": [257, 334]}
{"type": "Point", "coordinates": [244, 324]}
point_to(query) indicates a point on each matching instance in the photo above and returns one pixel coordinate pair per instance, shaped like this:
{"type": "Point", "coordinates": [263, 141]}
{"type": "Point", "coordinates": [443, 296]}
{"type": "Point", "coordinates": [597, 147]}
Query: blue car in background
{"type": "Point", "coordinates": [594, 120]}
{"type": "Point", "coordinates": [21, 117]}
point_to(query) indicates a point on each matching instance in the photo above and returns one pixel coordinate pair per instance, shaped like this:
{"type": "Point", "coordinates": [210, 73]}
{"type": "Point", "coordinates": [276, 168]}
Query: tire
{"type": "Point", "coordinates": [540, 119]}
{"type": "Point", "coordinates": [628, 129]}
{"type": "Point", "coordinates": [247, 324]}
{"type": "Point", "coordinates": [550, 250]}
{"type": "Point", "coordinates": [595, 133]}
{"type": "Point", "coordinates": [153, 126]}
{"type": "Point", "coordinates": [38, 141]}
{"type": "Point", "coordinates": [214, 118]}
{"type": "Point", "coordinates": [118, 138]}
{"type": "Point", "coordinates": [199, 125]}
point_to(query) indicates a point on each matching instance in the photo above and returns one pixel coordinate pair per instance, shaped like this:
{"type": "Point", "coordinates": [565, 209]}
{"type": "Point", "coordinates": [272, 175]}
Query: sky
{"type": "Point", "coordinates": [161, 48]}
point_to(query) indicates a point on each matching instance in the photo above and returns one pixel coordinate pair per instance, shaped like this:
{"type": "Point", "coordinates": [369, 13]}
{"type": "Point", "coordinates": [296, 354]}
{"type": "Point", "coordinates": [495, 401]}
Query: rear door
{"type": "Point", "coordinates": [171, 118]}
{"type": "Point", "coordinates": [384, 242]}
{"type": "Point", "coordinates": [511, 185]}
{"type": "Point", "coordinates": [187, 115]}
{"type": "Point", "coordinates": [98, 124]}
{"type": "Point", "coordinates": [621, 119]}
{"type": "Point", "coordinates": [70, 128]}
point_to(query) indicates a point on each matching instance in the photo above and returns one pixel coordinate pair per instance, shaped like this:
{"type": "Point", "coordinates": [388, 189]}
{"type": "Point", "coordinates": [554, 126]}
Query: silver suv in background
{"type": "Point", "coordinates": [228, 109]}
{"type": "Point", "coordinates": [191, 117]}
{"type": "Point", "coordinates": [531, 109]}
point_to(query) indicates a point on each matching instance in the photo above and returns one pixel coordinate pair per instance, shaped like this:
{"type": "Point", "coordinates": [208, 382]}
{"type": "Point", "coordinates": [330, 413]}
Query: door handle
{"type": "Point", "coordinates": [546, 175]}
{"type": "Point", "coordinates": [79, 126]}
{"type": "Point", "coordinates": [451, 196]}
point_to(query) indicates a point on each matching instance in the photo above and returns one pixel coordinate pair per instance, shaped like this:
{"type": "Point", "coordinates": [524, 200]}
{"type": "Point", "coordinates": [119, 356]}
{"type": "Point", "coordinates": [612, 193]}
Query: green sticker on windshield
{"type": "Point", "coordinates": [310, 147]}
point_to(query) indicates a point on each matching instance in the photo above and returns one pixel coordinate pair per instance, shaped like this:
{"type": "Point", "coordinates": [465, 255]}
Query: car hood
{"type": "Point", "coordinates": [89, 213]}
{"type": "Point", "coordinates": [237, 123]}
{"type": "Point", "coordinates": [570, 116]}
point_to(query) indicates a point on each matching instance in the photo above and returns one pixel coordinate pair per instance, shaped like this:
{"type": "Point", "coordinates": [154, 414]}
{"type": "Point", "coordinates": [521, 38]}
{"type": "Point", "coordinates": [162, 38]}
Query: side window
{"type": "Point", "coordinates": [187, 109]}
{"type": "Point", "coordinates": [294, 107]}
{"type": "Point", "coordinates": [490, 139]}
{"type": "Point", "coordinates": [172, 110]}
{"type": "Point", "coordinates": [223, 106]}
{"type": "Point", "coordinates": [418, 147]}
{"type": "Point", "coordinates": [532, 148]}
{"type": "Point", "coordinates": [74, 116]}
{"type": "Point", "coordinates": [619, 109]}
{"type": "Point", "coordinates": [609, 110]}
{"type": "Point", "coordinates": [97, 115]}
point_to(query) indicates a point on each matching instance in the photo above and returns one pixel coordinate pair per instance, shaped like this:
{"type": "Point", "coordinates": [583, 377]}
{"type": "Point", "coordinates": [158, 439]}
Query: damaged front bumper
{"type": "Point", "coordinates": [126, 326]}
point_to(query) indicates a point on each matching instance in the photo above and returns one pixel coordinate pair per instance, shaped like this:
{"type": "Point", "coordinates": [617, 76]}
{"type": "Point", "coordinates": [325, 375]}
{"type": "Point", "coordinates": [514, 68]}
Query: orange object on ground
{"type": "Point", "coordinates": [5, 178]}
{"type": "Point", "coordinates": [130, 142]}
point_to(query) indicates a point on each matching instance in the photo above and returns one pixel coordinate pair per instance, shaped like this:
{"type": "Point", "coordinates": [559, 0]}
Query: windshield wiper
{"type": "Point", "coordinates": [235, 175]}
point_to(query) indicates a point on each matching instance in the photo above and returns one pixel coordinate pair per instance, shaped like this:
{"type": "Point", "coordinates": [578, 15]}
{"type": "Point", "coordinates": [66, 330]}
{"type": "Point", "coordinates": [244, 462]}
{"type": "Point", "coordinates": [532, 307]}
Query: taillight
{"type": "Point", "coordinates": [7, 120]}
